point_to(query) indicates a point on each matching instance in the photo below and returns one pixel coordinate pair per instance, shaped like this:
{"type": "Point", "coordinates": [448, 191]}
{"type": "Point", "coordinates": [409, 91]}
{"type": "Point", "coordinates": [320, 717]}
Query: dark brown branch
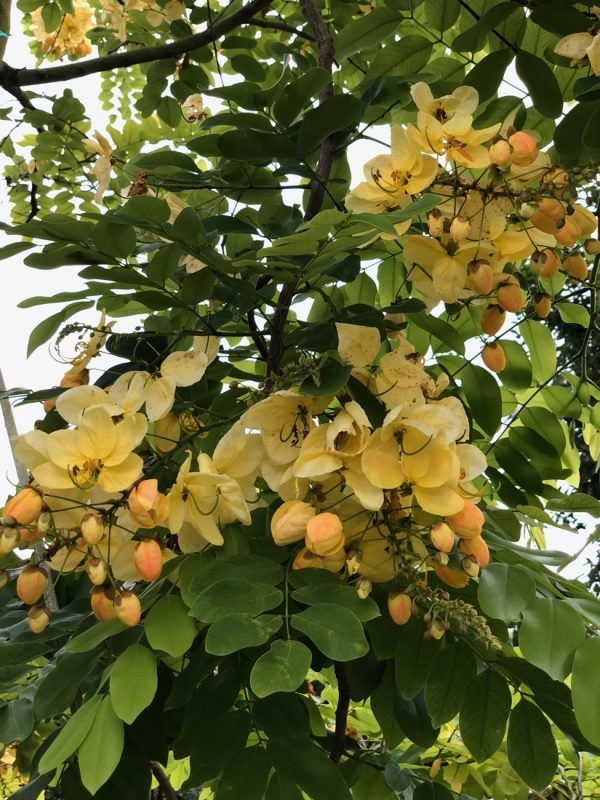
{"type": "Point", "coordinates": [341, 712]}
{"type": "Point", "coordinates": [11, 78]}
{"type": "Point", "coordinates": [279, 26]}
{"type": "Point", "coordinates": [168, 791]}
{"type": "Point", "coordinates": [257, 336]}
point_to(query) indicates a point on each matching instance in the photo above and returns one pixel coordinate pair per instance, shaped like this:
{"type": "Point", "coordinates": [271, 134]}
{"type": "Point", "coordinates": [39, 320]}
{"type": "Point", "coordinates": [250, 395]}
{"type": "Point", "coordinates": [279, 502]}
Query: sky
{"type": "Point", "coordinates": [41, 370]}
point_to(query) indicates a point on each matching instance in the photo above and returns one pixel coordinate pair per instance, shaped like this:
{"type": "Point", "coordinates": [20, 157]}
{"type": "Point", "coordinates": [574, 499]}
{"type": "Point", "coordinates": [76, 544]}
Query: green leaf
{"type": "Point", "coordinates": [578, 503]}
{"type": "Point", "coordinates": [450, 676]}
{"type": "Point", "coordinates": [133, 682]}
{"type": "Point", "coordinates": [414, 720]}
{"type": "Point", "coordinates": [114, 238]}
{"type": "Point", "coordinates": [442, 14]}
{"type": "Point", "coordinates": [413, 659]}
{"type": "Point", "coordinates": [431, 791]}
{"type": "Point", "coordinates": [473, 38]}
{"type": "Point", "coordinates": [335, 631]}
{"type": "Point", "coordinates": [234, 596]}
{"type": "Point", "coordinates": [337, 113]}
{"type": "Point", "coordinates": [346, 596]}
{"type": "Point", "coordinates": [383, 709]}
{"type": "Point", "coordinates": [542, 350]}
{"type": "Point", "coordinates": [70, 737]}
{"type": "Point", "coordinates": [518, 373]}
{"type": "Point", "coordinates": [289, 105]}
{"type": "Point", "coordinates": [169, 627]}
{"type": "Point", "coordinates": [530, 746]}
{"type": "Point", "coordinates": [146, 209]}
{"type": "Point", "coordinates": [281, 669]}
{"type": "Point", "coordinates": [245, 775]}
{"type": "Point", "coordinates": [309, 767]}
{"type": "Point", "coordinates": [45, 329]}
{"type": "Point", "coordinates": [90, 639]}
{"type": "Point", "coordinates": [333, 377]}
{"type": "Point", "coordinates": [409, 55]}
{"type": "Point", "coordinates": [57, 689]}
{"type": "Point", "coordinates": [541, 84]}
{"type": "Point", "coordinates": [16, 720]}
{"type": "Point", "coordinates": [573, 314]}
{"type": "Point", "coordinates": [483, 714]}
{"type": "Point", "coordinates": [366, 31]}
{"type": "Point", "coordinates": [585, 686]}
{"type": "Point", "coordinates": [504, 591]}
{"type": "Point", "coordinates": [550, 633]}
{"type": "Point", "coordinates": [101, 749]}
{"type": "Point", "coordinates": [487, 75]}
{"type": "Point", "coordinates": [238, 631]}
{"type": "Point", "coordinates": [248, 145]}
{"type": "Point", "coordinates": [483, 397]}
{"type": "Point", "coordinates": [442, 330]}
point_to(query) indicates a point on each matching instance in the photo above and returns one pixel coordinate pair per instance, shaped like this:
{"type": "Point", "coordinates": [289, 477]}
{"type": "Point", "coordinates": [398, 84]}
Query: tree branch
{"type": "Point", "coordinates": [279, 26]}
{"type": "Point", "coordinates": [4, 25]}
{"type": "Point", "coordinates": [11, 78]}
{"type": "Point", "coordinates": [168, 791]}
{"type": "Point", "coordinates": [341, 712]}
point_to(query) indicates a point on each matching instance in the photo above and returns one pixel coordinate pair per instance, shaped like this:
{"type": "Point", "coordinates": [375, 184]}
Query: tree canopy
{"type": "Point", "coordinates": [279, 531]}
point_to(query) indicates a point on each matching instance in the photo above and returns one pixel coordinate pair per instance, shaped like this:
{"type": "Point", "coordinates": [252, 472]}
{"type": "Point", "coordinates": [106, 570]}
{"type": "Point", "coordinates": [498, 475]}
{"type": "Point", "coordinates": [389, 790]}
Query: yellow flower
{"type": "Point", "coordinates": [454, 138]}
{"type": "Point", "coordinates": [464, 99]}
{"type": "Point", "coordinates": [71, 35]}
{"type": "Point", "coordinates": [194, 499]}
{"type": "Point", "coordinates": [97, 453]}
{"type": "Point", "coordinates": [402, 381]}
{"type": "Point", "coordinates": [357, 344]}
{"type": "Point", "coordinates": [90, 349]}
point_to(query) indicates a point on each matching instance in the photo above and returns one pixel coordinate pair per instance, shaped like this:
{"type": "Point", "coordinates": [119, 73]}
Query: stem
{"type": "Point", "coordinates": [341, 712]}
{"type": "Point", "coordinates": [164, 783]}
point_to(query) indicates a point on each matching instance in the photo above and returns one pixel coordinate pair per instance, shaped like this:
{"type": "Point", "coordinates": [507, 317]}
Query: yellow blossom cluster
{"type": "Point", "coordinates": [116, 13]}
{"type": "Point", "coordinates": [71, 35]}
{"type": "Point", "coordinates": [502, 202]}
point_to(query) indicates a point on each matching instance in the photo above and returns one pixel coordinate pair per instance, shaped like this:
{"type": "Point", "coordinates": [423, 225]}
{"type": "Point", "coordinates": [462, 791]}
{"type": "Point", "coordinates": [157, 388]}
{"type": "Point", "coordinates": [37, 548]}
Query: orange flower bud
{"type": "Point", "coordinates": [31, 584]}
{"type": "Point", "coordinates": [38, 618]}
{"type": "Point", "coordinates": [542, 304]}
{"type": "Point", "coordinates": [546, 264]}
{"type": "Point", "coordinates": [96, 571]}
{"type": "Point", "coordinates": [477, 547]}
{"type": "Point", "coordinates": [400, 607]}
{"type": "Point", "coordinates": [551, 208]}
{"type": "Point", "coordinates": [442, 537]}
{"type": "Point", "coordinates": [492, 320]}
{"type": "Point", "coordinates": [25, 507]}
{"type": "Point", "coordinates": [493, 357]}
{"type": "Point", "coordinates": [480, 276]}
{"type": "Point", "coordinates": [128, 608]}
{"type": "Point", "coordinates": [576, 266]}
{"type": "Point", "coordinates": [309, 560]}
{"type": "Point", "coordinates": [524, 148]}
{"type": "Point", "coordinates": [592, 246]}
{"type": "Point", "coordinates": [510, 297]}
{"type": "Point", "coordinates": [457, 580]}
{"type": "Point", "coordinates": [102, 602]}
{"type": "Point", "coordinates": [324, 534]}
{"type": "Point", "coordinates": [147, 506]}
{"type": "Point", "coordinates": [92, 528]}
{"type": "Point", "coordinates": [147, 557]}
{"type": "Point", "coordinates": [288, 523]}
{"type": "Point", "coordinates": [500, 153]}
{"type": "Point", "coordinates": [467, 523]}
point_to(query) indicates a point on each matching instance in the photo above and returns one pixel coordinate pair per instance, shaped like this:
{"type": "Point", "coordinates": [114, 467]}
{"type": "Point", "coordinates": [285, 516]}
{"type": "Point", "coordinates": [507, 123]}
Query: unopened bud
{"type": "Point", "coordinates": [500, 153]}
{"type": "Point", "coordinates": [437, 629]}
{"type": "Point", "coordinates": [470, 565]}
{"type": "Point", "coordinates": [363, 588]}
{"type": "Point", "coordinates": [435, 223]}
{"type": "Point", "coordinates": [480, 276]}
{"type": "Point", "coordinates": [9, 540]}
{"type": "Point", "coordinates": [400, 607]}
{"type": "Point", "coordinates": [460, 228]}
{"type": "Point", "coordinates": [442, 537]}
{"type": "Point", "coordinates": [493, 357]}
{"type": "Point", "coordinates": [542, 304]}
{"type": "Point", "coordinates": [147, 557]}
{"type": "Point", "coordinates": [128, 608]}
{"type": "Point", "coordinates": [31, 584]}
{"type": "Point", "coordinates": [96, 571]}
{"type": "Point", "coordinates": [492, 320]}
{"type": "Point", "coordinates": [92, 528]}
{"type": "Point", "coordinates": [38, 618]}
{"type": "Point", "coordinates": [44, 522]}
{"type": "Point", "coordinates": [510, 297]}
{"type": "Point", "coordinates": [592, 246]}
{"type": "Point", "coordinates": [576, 266]}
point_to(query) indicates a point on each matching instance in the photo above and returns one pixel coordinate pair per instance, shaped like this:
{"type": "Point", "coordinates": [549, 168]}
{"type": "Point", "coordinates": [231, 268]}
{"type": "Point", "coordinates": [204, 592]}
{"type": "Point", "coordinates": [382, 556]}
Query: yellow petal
{"type": "Point", "coordinates": [97, 435]}
{"type": "Point", "coordinates": [121, 476]}
{"type": "Point", "coordinates": [72, 403]}
{"type": "Point", "coordinates": [184, 368]}
{"type": "Point", "coordinates": [380, 462]}
{"type": "Point", "coordinates": [159, 393]}
{"type": "Point", "coordinates": [357, 344]}
{"type": "Point", "coordinates": [574, 45]}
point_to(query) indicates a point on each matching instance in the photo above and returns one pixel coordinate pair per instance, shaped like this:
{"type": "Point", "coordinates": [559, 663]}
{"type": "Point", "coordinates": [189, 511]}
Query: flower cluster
{"type": "Point", "coordinates": [71, 35]}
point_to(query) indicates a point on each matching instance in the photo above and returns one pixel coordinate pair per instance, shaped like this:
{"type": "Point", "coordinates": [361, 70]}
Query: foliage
{"type": "Point", "coordinates": [290, 543]}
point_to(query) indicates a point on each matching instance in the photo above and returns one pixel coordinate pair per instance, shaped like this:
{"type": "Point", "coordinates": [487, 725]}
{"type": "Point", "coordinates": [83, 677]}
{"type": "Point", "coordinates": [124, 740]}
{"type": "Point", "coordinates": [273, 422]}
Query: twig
{"type": "Point", "coordinates": [164, 783]}
{"type": "Point", "coordinates": [11, 78]}
{"type": "Point", "coordinates": [279, 26]}
{"type": "Point", "coordinates": [341, 712]}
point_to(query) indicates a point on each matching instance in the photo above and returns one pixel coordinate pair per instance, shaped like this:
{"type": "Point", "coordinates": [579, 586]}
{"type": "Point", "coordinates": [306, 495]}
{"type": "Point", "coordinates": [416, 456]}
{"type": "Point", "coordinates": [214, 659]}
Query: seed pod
{"type": "Point", "coordinates": [442, 537]}
{"type": "Point", "coordinates": [542, 304]}
{"type": "Point", "coordinates": [31, 584]}
{"type": "Point", "coordinates": [147, 557]}
{"type": "Point", "coordinates": [128, 608]}
{"type": "Point", "coordinates": [493, 357]}
{"type": "Point", "coordinates": [96, 571]}
{"type": "Point", "coordinates": [480, 276]}
{"type": "Point", "coordinates": [38, 618]}
{"type": "Point", "coordinates": [492, 320]}
{"type": "Point", "coordinates": [92, 528]}
{"type": "Point", "coordinates": [400, 607]}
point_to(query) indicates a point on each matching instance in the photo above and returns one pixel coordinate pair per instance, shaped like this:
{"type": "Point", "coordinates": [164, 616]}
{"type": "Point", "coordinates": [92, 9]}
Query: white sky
{"type": "Point", "coordinates": [40, 371]}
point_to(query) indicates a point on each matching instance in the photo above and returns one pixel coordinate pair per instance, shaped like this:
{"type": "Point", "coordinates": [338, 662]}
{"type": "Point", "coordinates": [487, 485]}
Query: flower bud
{"type": "Point", "coordinates": [102, 602]}
{"type": "Point", "coordinates": [492, 320]}
{"type": "Point", "coordinates": [442, 537]}
{"type": "Point", "coordinates": [400, 607]}
{"type": "Point", "coordinates": [493, 357]}
{"type": "Point", "coordinates": [457, 580]}
{"type": "Point", "coordinates": [435, 223]}
{"type": "Point", "coordinates": [9, 539]}
{"type": "Point", "coordinates": [500, 153]}
{"type": "Point", "coordinates": [44, 521]}
{"type": "Point", "coordinates": [524, 148]}
{"type": "Point", "coordinates": [576, 266]}
{"type": "Point", "coordinates": [363, 588]}
{"type": "Point", "coordinates": [510, 297]}
{"type": "Point", "coordinates": [147, 558]}
{"type": "Point", "coordinates": [592, 247]}
{"type": "Point", "coordinates": [324, 534]}
{"type": "Point", "coordinates": [128, 608]}
{"type": "Point", "coordinates": [476, 547]}
{"type": "Point", "coordinates": [480, 276]}
{"type": "Point", "coordinates": [309, 560]}
{"type": "Point", "coordinates": [467, 523]}
{"type": "Point", "coordinates": [147, 506]}
{"type": "Point", "coordinates": [471, 566]}
{"type": "Point", "coordinates": [288, 523]}
{"type": "Point", "coordinates": [437, 629]}
{"type": "Point", "coordinates": [92, 528]}
{"type": "Point", "coordinates": [31, 584]}
{"type": "Point", "coordinates": [25, 507]}
{"type": "Point", "coordinates": [546, 263]}
{"type": "Point", "coordinates": [38, 618]}
{"type": "Point", "coordinates": [441, 558]}
{"type": "Point", "coordinates": [542, 304]}
{"type": "Point", "coordinates": [460, 228]}
{"type": "Point", "coordinates": [96, 571]}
